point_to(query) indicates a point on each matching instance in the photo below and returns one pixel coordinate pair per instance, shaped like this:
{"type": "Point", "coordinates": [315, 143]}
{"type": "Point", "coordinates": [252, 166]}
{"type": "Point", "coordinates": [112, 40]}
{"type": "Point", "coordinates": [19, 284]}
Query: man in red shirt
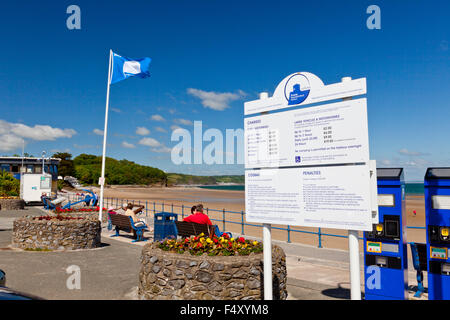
{"type": "Point", "coordinates": [198, 216]}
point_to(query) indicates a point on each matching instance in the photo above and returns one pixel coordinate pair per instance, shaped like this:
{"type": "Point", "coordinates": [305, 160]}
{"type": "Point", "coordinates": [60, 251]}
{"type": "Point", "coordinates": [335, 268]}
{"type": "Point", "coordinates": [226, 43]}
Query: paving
{"type": "Point", "coordinates": [111, 271]}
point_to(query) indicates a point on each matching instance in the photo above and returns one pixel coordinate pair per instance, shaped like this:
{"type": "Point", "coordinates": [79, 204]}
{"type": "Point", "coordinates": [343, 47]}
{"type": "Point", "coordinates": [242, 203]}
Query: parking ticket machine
{"type": "Point", "coordinates": [437, 212]}
{"type": "Point", "coordinates": [385, 250]}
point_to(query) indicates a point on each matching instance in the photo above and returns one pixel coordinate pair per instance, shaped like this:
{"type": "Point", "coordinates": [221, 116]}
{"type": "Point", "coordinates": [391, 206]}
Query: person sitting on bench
{"type": "Point", "coordinates": [198, 216]}
{"type": "Point", "coordinates": [132, 213]}
{"type": "Point", "coordinates": [119, 210]}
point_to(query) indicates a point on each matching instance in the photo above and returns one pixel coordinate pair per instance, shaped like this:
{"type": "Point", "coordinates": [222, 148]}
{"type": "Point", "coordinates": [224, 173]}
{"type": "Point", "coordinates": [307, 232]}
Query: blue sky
{"type": "Point", "coordinates": [208, 58]}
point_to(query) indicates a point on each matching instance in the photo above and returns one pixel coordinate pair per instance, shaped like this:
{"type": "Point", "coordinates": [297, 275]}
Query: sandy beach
{"type": "Point", "coordinates": [180, 199]}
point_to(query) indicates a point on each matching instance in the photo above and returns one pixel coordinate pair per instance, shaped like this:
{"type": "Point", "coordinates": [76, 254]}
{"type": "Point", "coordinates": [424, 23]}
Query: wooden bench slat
{"type": "Point", "coordinates": [121, 221]}
{"type": "Point", "coordinates": [187, 229]}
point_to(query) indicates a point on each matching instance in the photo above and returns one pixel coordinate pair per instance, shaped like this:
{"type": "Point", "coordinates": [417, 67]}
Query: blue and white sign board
{"type": "Point", "coordinates": [310, 197]}
{"type": "Point", "coordinates": [303, 88]}
{"type": "Point", "coordinates": [310, 166]}
{"type": "Point", "coordinates": [327, 134]}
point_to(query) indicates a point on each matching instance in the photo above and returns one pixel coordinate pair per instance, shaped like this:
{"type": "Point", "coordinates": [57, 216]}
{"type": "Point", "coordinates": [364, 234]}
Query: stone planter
{"type": "Point", "coordinates": [172, 276]}
{"type": "Point", "coordinates": [56, 235]}
{"type": "Point", "coordinates": [85, 214]}
{"type": "Point", "coordinates": [12, 204]}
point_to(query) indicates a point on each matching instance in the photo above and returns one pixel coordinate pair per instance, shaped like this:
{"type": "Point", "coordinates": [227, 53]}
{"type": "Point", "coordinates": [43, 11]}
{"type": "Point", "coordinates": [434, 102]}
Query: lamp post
{"type": "Point", "coordinates": [43, 155]}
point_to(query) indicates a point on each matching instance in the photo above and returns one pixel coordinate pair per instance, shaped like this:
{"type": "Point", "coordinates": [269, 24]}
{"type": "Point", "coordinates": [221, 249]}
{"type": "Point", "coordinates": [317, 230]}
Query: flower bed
{"type": "Point", "coordinates": [56, 233]}
{"type": "Point", "coordinates": [212, 246]}
{"type": "Point", "coordinates": [83, 212]}
{"type": "Point", "coordinates": [56, 218]}
{"type": "Point", "coordinates": [71, 210]}
{"type": "Point", "coordinates": [168, 275]}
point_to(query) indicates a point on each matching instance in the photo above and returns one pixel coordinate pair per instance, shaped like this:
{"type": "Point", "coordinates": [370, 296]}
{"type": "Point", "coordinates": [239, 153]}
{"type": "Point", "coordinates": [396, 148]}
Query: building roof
{"type": "Point", "coordinates": [27, 160]}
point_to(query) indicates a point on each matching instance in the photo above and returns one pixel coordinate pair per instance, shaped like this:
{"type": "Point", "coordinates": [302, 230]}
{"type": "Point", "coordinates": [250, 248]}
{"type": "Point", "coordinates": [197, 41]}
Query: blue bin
{"type": "Point", "coordinates": [164, 226]}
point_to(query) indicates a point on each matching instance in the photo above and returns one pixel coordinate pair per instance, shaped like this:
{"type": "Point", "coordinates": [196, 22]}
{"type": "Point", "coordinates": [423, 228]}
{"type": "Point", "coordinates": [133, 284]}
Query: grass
{"type": "Point", "coordinates": [37, 249]}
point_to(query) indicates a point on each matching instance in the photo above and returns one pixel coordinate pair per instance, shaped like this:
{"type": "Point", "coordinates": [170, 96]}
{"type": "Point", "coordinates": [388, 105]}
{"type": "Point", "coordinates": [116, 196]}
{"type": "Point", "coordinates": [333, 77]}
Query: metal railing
{"type": "Point", "coordinates": [185, 211]}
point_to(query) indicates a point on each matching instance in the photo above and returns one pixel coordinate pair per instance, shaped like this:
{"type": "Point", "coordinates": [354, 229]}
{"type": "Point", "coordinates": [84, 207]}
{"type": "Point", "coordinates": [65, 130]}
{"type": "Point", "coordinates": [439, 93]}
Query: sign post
{"type": "Point", "coordinates": [267, 245]}
{"type": "Point", "coordinates": [353, 249]}
{"type": "Point", "coordinates": [309, 166]}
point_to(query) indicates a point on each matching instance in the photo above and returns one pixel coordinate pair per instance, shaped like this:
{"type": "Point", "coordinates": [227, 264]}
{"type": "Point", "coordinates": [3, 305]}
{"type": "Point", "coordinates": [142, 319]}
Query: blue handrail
{"type": "Point", "coordinates": [320, 234]}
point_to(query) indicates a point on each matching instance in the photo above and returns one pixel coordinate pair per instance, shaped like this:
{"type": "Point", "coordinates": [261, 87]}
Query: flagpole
{"type": "Point", "coordinates": [105, 131]}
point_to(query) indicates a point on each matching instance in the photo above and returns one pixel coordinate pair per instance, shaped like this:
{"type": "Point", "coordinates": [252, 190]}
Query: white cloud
{"type": "Point", "coordinates": [162, 149]}
{"type": "Point", "coordinates": [98, 131]}
{"type": "Point", "coordinates": [150, 142]}
{"type": "Point", "coordinates": [216, 100]}
{"type": "Point", "coordinates": [85, 146]}
{"type": "Point", "coordinates": [116, 110]}
{"type": "Point", "coordinates": [160, 129]}
{"type": "Point", "coordinates": [386, 162]}
{"type": "Point", "coordinates": [185, 122]}
{"type": "Point", "coordinates": [12, 134]}
{"type": "Point", "coordinates": [128, 145]}
{"type": "Point", "coordinates": [67, 150]}
{"type": "Point", "coordinates": [142, 131]}
{"type": "Point", "coordinates": [10, 142]}
{"type": "Point", "coordinates": [174, 127]}
{"type": "Point", "coordinates": [407, 152]}
{"type": "Point", "coordinates": [157, 117]}
{"type": "Point", "coordinates": [38, 132]}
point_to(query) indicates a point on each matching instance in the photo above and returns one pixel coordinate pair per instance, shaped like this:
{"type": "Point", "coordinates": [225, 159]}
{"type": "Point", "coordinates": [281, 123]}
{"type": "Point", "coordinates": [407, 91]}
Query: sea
{"type": "Point", "coordinates": [410, 188]}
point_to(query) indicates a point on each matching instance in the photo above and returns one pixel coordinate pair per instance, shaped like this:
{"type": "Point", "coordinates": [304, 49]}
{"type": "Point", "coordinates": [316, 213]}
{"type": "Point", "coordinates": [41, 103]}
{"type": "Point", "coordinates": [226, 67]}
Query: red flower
{"type": "Point", "coordinates": [215, 240]}
{"type": "Point", "coordinates": [241, 240]}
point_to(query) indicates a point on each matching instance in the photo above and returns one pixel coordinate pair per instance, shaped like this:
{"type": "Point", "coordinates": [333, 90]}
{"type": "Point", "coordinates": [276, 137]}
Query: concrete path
{"type": "Point", "coordinates": [112, 271]}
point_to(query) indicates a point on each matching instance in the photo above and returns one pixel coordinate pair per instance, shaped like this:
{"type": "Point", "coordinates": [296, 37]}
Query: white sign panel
{"type": "Point", "coordinates": [386, 200]}
{"type": "Point", "coordinates": [329, 197]}
{"type": "Point", "coordinates": [440, 202]}
{"type": "Point", "coordinates": [374, 191]}
{"type": "Point", "coordinates": [304, 88]}
{"type": "Point", "coordinates": [327, 134]}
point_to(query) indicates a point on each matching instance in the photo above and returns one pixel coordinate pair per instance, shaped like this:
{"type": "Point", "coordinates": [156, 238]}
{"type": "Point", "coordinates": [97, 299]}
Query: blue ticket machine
{"type": "Point", "coordinates": [437, 212]}
{"type": "Point", "coordinates": [385, 250]}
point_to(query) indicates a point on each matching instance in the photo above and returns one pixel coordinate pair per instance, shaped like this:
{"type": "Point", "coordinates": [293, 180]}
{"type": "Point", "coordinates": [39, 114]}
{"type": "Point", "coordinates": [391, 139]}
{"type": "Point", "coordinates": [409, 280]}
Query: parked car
{"type": "Point", "coordinates": [10, 294]}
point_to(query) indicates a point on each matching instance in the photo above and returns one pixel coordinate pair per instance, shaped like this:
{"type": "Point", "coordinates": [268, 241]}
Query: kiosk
{"type": "Point", "coordinates": [385, 251]}
{"type": "Point", "coordinates": [437, 211]}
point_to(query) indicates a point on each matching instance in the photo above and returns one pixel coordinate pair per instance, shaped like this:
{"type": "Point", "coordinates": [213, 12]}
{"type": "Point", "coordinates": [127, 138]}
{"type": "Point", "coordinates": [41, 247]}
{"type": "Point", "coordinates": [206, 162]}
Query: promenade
{"type": "Point", "coordinates": [111, 271]}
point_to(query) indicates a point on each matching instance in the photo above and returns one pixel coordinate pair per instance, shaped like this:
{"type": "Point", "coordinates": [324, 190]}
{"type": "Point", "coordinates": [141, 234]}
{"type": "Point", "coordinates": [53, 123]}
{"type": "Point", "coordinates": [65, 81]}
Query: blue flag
{"type": "Point", "coordinates": [124, 68]}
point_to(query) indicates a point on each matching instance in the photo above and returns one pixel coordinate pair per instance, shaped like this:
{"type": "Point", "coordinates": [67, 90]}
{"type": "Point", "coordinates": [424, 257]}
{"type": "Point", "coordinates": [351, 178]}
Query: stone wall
{"type": "Point", "coordinates": [56, 235]}
{"type": "Point", "coordinates": [86, 214]}
{"type": "Point", "coordinates": [172, 276]}
{"type": "Point", "coordinates": [12, 204]}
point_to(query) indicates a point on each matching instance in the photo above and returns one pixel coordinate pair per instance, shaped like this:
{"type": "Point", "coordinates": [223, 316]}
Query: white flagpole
{"type": "Point", "coordinates": [105, 131]}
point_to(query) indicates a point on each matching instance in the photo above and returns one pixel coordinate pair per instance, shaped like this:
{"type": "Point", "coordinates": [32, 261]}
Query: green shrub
{"type": "Point", "coordinates": [9, 186]}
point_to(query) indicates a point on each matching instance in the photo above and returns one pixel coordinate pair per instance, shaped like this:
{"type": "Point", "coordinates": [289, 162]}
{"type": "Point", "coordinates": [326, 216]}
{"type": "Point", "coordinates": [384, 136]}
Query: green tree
{"type": "Point", "coordinates": [66, 166]}
{"type": "Point", "coordinates": [120, 172]}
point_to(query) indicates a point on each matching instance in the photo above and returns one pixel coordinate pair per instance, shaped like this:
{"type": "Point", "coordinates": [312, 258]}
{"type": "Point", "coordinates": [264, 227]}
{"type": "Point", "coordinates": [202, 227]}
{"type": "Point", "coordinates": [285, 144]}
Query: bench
{"type": "Point", "coordinates": [125, 223]}
{"type": "Point", "coordinates": [47, 203]}
{"type": "Point", "coordinates": [419, 257]}
{"type": "Point", "coordinates": [186, 229]}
